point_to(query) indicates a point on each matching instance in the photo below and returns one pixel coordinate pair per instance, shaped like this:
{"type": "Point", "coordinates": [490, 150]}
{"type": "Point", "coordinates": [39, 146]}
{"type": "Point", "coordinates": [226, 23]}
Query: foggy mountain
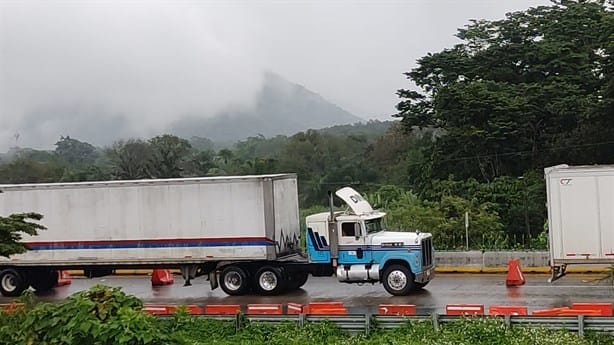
{"type": "Point", "coordinates": [281, 107]}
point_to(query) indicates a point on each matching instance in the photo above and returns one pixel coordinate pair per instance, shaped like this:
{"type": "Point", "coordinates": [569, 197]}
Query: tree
{"type": "Point", "coordinates": [226, 163]}
{"type": "Point", "coordinates": [258, 166]}
{"type": "Point", "coordinates": [94, 172]}
{"type": "Point", "coordinates": [130, 159]}
{"type": "Point", "coordinates": [395, 154]}
{"type": "Point", "coordinates": [75, 152]}
{"type": "Point", "coordinates": [532, 90]}
{"type": "Point", "coordinates": [260, 147]}
{"type": "Point", "coordinates": [518, 201]}
{"type": "Point", "coordinates": [200, 163]}
{"type": "Point", "coordinates": [444, 218]}
{"type": "Point", "coordinates": [324, 162]}
{"type": "Point", "coordinates": [12, 228]}
{"type": "Point", "coordinates": [25, 170]}
{"type": "Point", "coordinates": [168, 155]}
{"type": "Point", "coordinates": [202, 144]}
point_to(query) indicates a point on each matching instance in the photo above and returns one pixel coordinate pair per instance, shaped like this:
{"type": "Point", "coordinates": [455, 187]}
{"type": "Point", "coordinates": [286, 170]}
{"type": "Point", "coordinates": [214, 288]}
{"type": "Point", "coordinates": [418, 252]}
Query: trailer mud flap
{"type": "Point", "coordinates": [557, 272]}
{"type": "Point", "coordinates": [213, 280]}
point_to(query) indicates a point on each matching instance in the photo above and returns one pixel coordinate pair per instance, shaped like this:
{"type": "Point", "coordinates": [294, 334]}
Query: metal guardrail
{"type": "Point", "coordinates": [364, 323]}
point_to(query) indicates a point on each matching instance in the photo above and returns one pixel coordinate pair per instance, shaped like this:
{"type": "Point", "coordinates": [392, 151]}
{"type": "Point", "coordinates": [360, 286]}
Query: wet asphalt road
{"type": "Point", "coordinates": [487, 289]}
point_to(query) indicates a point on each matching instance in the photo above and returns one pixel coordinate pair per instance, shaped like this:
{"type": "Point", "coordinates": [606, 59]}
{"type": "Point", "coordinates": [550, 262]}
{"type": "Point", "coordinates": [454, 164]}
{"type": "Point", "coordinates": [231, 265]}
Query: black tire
{"type": "Point", "coordinates": [12, 283]}
{"type": "Point", "coordinates": [420, 286]}
{"type": "Point", "coordinates": [233, 281]}
{"type": "Point", "coordinates": [398, 280]}
{"type": "Point", "coordinates": [269, 280]}
{"type": "Point", "coordinates": [297, 280]}
{"type": "Point", "coordinates": [44, 280]}
{"type": "Point", "coordinates": [97, 272]}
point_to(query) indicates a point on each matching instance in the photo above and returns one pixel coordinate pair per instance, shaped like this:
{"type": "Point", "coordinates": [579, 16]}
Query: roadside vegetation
{"type": "Point", "coordinates": [12, 229]}
{"type": "Point", "coordinates": [104, 315]}
{"type": "Point", "coordinates": [475, 128]}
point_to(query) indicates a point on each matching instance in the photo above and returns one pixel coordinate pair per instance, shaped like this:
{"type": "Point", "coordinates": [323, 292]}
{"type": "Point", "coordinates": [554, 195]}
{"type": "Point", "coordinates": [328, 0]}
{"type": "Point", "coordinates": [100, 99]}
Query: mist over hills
{"type": "Point", "coordinates": [282, 107]}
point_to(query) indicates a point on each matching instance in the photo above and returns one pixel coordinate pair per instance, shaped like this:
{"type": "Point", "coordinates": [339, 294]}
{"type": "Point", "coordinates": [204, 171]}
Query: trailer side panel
{"type": "Point", "coordinates": [581, 214]}
{"type": "Point", "coordinates": [167, 220]}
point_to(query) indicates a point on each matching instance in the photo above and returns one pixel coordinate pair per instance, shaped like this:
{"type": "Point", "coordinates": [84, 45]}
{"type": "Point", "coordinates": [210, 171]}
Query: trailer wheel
{"type": "Point", "coordinates": [12, 283]}
{"type": "Point", "coordinates": [297, 280]}
{"type": "Point", "coordinates": [233, 281]}
{"type": "Point", "coordinates": [44, 280]}
{"type": "Point", "coordinates": [269, 280]}
{"type": "Point", "coordinates": [398, 280]}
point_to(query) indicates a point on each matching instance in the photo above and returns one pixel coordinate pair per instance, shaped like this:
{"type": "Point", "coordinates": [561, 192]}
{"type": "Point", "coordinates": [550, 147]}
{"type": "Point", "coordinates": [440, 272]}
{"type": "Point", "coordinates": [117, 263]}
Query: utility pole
{"type": "Point", "coordinates": [467, 230]}
{"type": "Point", "coordinates": [527, 224]}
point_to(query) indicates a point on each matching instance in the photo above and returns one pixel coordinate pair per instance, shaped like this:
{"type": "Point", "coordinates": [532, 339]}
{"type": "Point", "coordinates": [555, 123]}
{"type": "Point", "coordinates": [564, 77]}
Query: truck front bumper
{"type": "Point", "coordinates": [426, 275]}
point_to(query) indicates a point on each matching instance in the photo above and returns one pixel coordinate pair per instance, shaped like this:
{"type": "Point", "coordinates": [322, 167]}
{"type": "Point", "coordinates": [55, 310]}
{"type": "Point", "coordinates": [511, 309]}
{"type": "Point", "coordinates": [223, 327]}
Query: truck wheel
{"type": "Point", "coordinates": [420, 285]}
{"type": "Point", "coordinates": [297, 280]}
{"type": "Point", "coordinates": [269, 280]}
{"type": "Point", "coordinates": [44, 280]}
{"type": "Point", "coordinates": [12, 283]}
{"type": "Point", "coordinates": [398, 280]}
{"type": "Point", "coordinates": [233, 281]}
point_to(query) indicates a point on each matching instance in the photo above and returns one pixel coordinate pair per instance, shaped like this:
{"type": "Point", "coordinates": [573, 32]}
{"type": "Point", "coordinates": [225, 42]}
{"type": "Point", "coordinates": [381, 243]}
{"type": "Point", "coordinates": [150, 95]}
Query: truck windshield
{"type": "Point", "coordinates": [374, 225]}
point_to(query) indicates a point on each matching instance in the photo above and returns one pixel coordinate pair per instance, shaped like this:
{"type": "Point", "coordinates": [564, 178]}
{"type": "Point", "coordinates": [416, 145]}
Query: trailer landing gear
{"type": "Point", "coordinates": [558, 272]}
{"type": "Point", "coordinates": [188, 272]}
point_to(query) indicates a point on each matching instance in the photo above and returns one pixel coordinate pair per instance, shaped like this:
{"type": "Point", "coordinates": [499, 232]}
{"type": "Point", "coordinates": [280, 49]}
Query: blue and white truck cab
{"type": "Point", "coordinates": [360, 249]}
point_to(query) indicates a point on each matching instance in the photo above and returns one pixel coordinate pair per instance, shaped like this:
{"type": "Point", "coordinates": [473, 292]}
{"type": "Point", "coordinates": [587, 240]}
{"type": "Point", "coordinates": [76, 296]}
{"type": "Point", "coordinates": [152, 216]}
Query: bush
{"type": "Point", "coordinates": [101, 315]}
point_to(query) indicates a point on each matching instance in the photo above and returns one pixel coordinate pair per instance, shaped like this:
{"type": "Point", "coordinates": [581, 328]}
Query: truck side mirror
{"type": "Point", "coordinates": [357, 231]}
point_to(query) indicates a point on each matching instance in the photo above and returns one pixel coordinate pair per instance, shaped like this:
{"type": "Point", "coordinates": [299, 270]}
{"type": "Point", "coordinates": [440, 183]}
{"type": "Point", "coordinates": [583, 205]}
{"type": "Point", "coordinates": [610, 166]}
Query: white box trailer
{"type": "Point", "coordinates": [580, 201]}
{"type": "Point", "coordinates": [101, 226]}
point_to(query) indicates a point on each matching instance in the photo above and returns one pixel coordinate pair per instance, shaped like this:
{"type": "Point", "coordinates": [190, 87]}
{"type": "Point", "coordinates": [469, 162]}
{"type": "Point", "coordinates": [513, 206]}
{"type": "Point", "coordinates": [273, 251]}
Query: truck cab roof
{"type": "Point", "coordinates": [343, 215]}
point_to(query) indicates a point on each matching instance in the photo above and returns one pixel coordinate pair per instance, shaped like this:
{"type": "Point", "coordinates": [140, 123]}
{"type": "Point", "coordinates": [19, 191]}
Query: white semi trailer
{"type": "Point", "coordinates": [242, 231]}
{"type": "Point", "coordinates": [580, 202]}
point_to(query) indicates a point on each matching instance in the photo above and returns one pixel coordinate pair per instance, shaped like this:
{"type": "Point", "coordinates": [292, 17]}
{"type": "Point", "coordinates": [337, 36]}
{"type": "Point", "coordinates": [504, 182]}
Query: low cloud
{"type": "Point", "coordinates": [142, 65]}
{"type": "Point", "coordinates": [95, 69]}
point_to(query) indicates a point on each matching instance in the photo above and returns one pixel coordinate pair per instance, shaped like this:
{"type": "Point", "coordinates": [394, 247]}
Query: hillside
{"type": "Point", "coordinates": [282, 107]}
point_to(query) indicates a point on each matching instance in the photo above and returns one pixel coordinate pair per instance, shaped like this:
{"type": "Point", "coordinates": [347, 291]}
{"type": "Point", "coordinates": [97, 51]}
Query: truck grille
{"type": "Point", "coordinates": [427, 252]}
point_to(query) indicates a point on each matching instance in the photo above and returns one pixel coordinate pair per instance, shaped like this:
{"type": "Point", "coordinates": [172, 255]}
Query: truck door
{"type": "Point", "coordinates": [353, 248]}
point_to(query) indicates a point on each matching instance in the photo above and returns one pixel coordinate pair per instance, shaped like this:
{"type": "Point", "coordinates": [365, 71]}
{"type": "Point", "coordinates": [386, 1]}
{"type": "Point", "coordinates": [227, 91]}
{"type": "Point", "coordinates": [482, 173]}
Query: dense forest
{"type": "Point", "coordinates": [477, 125]}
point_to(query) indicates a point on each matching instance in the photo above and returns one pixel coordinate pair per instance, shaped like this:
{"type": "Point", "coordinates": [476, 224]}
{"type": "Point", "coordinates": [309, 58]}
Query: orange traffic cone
{"type": "Point", "coordinates": [63, 278]}
{"type": "Point", "coordinates": [161, 277]}
{"type": "Point", "coordinates": [514, 274]}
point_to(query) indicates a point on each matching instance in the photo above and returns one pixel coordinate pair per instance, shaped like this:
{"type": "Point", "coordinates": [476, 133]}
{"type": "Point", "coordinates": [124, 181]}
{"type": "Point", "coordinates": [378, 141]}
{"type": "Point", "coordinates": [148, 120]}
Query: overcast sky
{"type": "Point", "coordinates": [142, 64]}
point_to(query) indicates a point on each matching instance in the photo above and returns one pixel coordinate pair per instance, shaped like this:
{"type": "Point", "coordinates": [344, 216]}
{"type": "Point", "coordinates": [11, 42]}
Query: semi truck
{"type": "Point", "coordinates": [241, 232]}
{"type": "Point", "coordinates": [580, 202]}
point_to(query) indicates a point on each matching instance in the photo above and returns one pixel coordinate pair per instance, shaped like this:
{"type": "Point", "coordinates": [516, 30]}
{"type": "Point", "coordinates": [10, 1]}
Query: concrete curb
{"type": "Point", "coordinates": [540, 270]}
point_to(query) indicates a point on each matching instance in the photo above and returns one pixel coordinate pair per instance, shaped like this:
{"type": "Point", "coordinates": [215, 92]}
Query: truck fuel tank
{"type": "Point", "coordinates": [358, 273]}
